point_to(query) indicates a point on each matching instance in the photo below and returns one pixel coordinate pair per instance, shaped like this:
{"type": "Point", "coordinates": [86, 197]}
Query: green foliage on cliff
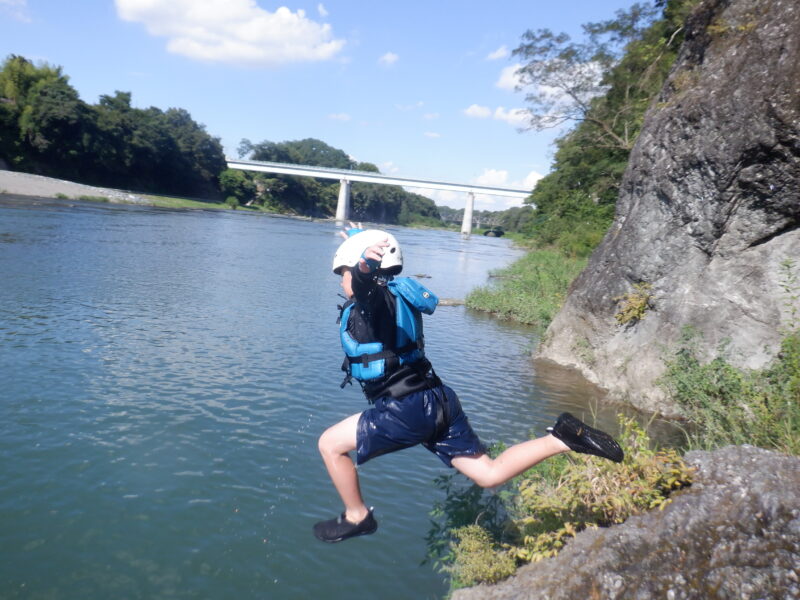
{"type": "Point", "coordinates": [548, 505]}
{"type": "Point", "coordinates": [46, 128]}
{"type": "Point", "coordinates": [602, 85]}
{"type": "Point", "coordinates": [729, 405]}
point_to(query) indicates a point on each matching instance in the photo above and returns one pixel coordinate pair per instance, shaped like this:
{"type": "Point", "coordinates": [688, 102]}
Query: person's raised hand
{"type": "Point", "coordinates": [372, 256]}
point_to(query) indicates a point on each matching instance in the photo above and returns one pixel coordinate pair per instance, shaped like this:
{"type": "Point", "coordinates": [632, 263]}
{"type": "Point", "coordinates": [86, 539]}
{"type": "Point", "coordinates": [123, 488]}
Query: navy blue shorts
{"type": "Point", "coordinates": [433, 418]}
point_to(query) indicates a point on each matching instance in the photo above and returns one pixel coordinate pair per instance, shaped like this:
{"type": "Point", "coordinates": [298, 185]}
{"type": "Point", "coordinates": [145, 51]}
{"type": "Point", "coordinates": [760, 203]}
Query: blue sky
{"type": "Point", "coordinates": [422, 89]}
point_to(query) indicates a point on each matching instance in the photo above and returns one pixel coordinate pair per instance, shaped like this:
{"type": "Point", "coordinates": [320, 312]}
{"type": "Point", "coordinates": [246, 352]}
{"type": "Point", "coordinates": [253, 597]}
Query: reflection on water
{"type": "Point", "coordinates": [164, 376]}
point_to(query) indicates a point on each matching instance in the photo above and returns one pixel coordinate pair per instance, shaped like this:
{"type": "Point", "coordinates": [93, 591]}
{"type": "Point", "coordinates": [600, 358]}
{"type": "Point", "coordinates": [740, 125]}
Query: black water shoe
{"type": "Point", "coordinates": [584, 439]}
{"type": "Point", "coordinates": [338, 529]}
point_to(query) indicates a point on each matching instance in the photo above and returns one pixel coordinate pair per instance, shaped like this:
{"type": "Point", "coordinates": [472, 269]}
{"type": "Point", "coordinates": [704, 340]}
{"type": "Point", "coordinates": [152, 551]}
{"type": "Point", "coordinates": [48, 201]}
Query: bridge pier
{"type": "Point", "coordinates": [466, 224]}
{"type": "Point", "coordinates": [343, 205]}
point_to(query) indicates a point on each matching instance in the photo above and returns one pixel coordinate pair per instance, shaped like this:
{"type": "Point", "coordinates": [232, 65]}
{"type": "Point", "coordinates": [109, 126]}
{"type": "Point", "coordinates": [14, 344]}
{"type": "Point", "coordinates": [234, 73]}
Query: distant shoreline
{"type": "Point", "coordinates": [14, 183]}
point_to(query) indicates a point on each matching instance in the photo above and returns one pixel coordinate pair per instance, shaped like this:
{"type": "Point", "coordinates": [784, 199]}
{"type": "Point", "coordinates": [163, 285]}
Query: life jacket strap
{"type": "Point", "coordinates": [365, 359]}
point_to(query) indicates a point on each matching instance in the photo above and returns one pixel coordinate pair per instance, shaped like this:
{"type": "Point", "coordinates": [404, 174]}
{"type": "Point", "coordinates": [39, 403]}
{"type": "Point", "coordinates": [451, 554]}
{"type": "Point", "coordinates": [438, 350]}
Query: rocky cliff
{"type": "Point", "coordinates": [734, 534]}
{"type": "Point", "coordinates": [709, 209]}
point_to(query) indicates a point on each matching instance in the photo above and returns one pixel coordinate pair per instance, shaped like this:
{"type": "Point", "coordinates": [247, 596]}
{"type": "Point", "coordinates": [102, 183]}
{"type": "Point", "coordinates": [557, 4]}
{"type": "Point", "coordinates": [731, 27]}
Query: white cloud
{"type": "Point", "coordinates": [430, 116]}
{"type": "Point", "coordinates": [500, 178]}
{"type": "Point", "coordinates": [233, 31]}
{"type": "Point", "coordinates": [493, 178]}
{"type": "Point", "coordinates": [518, 117]}
{"type": "Point", "coordinates": [339, 116]}
{"type": "Point", "coordinates": [389, 168]}
{"type": "Point", "coordinates": [531, 179]}
{"type": "Point", "coordinates": [16, 9]}
{"type": "Point", "coordinates": [388, 59]}
{"type": "Point", "coordinates": [442, 197]}
{"type": "Point", "coordinates": [431, 134]}
{"type": "Point", "coordinates": [408, 107]}
{"type": "Point", "coordinates": [509, 78]}
{"type": "Point", "coordinates": [501, 52]}
{"type": "Point", "coordinates": [478, 112]}
{"type": "Point", "coordinates": [323, 12]}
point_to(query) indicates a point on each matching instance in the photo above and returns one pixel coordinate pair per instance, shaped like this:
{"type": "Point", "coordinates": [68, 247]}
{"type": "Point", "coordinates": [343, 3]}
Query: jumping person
{"type": "Point", "coordinates": [381, 334]}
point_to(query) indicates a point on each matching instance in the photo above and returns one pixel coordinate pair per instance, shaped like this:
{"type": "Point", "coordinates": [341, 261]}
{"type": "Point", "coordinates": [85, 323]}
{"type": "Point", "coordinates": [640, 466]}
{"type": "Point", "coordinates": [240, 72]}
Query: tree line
{"type": "Point", "coordinates": [45, 128]}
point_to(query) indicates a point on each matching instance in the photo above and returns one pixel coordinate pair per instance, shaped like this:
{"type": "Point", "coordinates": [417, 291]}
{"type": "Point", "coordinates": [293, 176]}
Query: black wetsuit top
{"type": "Point", "coordinates": [373, 319]}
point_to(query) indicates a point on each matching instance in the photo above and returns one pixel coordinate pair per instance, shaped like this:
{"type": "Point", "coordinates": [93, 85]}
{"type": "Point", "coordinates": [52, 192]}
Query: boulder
{"type": "Point", "coordinates": [734, 534]}
{"type": "Point", "coordinates": [708, 210]}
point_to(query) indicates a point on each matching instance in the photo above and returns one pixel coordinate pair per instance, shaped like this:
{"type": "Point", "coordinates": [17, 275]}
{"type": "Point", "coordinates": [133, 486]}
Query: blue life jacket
{"type": "Point", "coordinates": [367, 361]}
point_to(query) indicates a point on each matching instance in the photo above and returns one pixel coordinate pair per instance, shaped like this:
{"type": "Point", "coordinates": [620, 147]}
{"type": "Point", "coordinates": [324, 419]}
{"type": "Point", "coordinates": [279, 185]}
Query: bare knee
{"type": "Point", "coordinates": [340, 438]}
{"type": "Point", "coordinates": [479, 469]}
{"type": "Point", "coordinates": [485, 480]}
{"type": "Point", "coordinates": [326, 443]}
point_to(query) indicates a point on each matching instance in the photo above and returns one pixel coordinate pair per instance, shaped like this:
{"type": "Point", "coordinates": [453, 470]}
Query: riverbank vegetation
{"type": "Point", "coordinates": [729, 405]}
{"type": "Point", "coordinates": [480, 538]}
{"type": "Point", "coordinates": [531, 290]}
{"type": "Point", "coordinates": [46, 129]}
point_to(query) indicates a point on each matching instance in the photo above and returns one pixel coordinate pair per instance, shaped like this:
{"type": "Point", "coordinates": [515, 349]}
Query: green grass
{"type": "Point", "coordinates": [728, 405]}
{"type": "Point", "coordinates": [172, 202]}
{"type": "Point", "coordinates": [175, 202]}
{"type": "Point", "coordinates": [531, 290]}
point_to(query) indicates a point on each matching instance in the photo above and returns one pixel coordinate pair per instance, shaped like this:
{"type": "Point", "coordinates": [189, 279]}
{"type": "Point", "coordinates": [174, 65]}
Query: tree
{"type": "Point", "coordinates": [53, 124]}
{"type": "Point", "coordinates": [21, 84]}
{"type": "Point", "coordinates": [604, 81]}
{"type": "Point", "coordinates": [627, 59]}
{"type": "Point", "coordinates": [236, 183]}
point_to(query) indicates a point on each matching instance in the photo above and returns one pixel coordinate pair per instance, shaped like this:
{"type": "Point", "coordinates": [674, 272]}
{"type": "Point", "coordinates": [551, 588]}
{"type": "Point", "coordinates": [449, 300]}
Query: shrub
{"type": "Point", "coordinates": [478, 559]}
{"type": "Point", "coordinates": [634, 304]}
{"type": "Point", "coordinates": [575, 493]}
{"type": "Point", "coordinates": [561, 496]}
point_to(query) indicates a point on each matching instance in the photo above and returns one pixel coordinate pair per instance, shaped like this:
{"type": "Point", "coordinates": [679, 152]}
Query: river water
{"type": "Point", "coordinates": [164, 376]}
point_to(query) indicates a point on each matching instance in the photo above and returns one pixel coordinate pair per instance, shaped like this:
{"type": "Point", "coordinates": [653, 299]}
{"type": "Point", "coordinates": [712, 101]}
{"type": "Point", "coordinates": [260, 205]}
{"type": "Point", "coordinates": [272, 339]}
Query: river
{"type": "Point", "coordinates": [164, 377]}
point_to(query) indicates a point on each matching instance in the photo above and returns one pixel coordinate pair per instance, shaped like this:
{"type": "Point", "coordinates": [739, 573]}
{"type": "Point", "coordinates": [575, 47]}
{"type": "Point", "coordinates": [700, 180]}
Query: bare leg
{"type": "Point", "coordinates": [487, 472]}
{"type": "Point", "coordinates": [334, 445]}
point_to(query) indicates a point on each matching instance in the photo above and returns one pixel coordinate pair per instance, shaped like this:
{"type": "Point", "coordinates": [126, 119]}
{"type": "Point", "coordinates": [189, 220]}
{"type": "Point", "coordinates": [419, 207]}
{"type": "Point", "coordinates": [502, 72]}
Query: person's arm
{"type": "Point", "coordinates": [365, 288]}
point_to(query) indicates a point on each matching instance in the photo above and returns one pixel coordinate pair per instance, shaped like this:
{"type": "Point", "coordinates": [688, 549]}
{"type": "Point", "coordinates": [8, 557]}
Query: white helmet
{"type": "Point", "coordinates": [351, 250]}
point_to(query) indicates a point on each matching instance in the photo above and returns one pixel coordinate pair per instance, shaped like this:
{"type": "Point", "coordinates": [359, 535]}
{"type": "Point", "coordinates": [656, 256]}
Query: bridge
{"type": "Point", "coordinates": [346, 176]}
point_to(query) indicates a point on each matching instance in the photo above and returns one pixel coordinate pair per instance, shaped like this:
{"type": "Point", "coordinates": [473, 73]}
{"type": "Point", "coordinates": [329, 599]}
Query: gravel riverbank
{"type": "Point", "coordinates": [25, 184]}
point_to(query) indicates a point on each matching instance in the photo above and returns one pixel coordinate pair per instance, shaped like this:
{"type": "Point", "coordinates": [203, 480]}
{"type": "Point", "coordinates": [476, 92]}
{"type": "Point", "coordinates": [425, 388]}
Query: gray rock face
{"type": "Point", "coordinates": [709, 209]}
{"type": "Point", "coordinates": [734, 534]}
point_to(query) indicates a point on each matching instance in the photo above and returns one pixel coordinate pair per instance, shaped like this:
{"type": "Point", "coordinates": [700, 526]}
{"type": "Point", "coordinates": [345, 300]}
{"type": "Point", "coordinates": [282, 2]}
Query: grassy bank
{"type": "Point", "coordinates": [531, 290]}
